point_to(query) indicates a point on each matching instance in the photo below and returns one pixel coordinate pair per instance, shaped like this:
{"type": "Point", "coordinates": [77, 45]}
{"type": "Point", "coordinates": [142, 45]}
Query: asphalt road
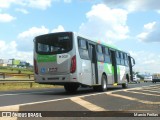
{"type": "Point", "coordinates": [28, 96]}
{"type": "Point", "coordinates": [143, 99]}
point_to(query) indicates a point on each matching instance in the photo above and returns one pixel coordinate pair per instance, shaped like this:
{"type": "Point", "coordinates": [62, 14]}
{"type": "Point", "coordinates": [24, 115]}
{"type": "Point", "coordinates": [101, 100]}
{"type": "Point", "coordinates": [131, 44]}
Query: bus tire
{"type": "Point", "coordinates": [103, 86]}
{"type": "Point", "coordinates": [125, 85]}
{"type": "Point", "coordinates": [71, 87]}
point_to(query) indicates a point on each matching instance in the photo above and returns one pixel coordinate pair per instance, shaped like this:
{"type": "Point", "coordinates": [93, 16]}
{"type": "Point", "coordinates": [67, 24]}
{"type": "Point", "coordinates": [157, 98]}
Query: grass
{"type": "Point", "coordinates": [18, 78]}
{"type": "Point", "coordinates": [24, 86]}
{"type": "Point", "coordinates": [20, 86]}
{"type": "Point", "coordinates": [15, 70]}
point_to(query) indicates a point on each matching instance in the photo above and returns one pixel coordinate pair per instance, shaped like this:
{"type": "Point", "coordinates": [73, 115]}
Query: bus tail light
{"type": "Point", "coordinates": [35, 67]}
{"type": "Point", "coordinates": [73, 64]}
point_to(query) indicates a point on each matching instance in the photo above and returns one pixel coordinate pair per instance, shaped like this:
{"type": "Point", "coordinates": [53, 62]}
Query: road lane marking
{"type": "Point", "coordinates": [26, 93]}
{"type": "Point", "coordinates": [142, 93]}
{"type": "Point", "coordinates": [146, 87]}
{"type": "Point", "coordinates": [108, 92]}
{"type": "Point", "coordinates": [86, 95]}
{"type": "Point", "coordinates": [87, 105]}
{"type": "Point", "coordinates": [134, 99]}
{"type": "Point", "coordinates": [8, 118]}
{"type": "Point", "coordinates": [152, 85]}
{"type": "Point", "coordinates": [9, 109]}
{"type": "Point", "coordinates": [151, 91]}
{"type": "Point", "coordinates": [155, 87]}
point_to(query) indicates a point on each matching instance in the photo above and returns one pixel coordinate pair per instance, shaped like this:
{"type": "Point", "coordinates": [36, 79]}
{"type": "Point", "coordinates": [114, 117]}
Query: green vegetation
{"type": "Point", "coordinates": [16, 70]}
{"type": "Point", "coordinates": [23, 86]}
{"type": "Point", "coordinates": [19, 74]}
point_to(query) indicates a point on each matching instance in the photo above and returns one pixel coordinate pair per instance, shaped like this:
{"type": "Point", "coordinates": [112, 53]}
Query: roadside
{"type": "Point", "coordinates": [8, 74]}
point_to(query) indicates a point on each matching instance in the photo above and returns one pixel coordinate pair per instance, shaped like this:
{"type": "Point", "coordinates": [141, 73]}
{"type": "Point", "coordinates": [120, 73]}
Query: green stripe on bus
{"type": "Point", "coordinates": [112, 70]}
{"type": "Point", "coordinates": [118, 70]}
{"type": "Point", "coordinates": [105, 67]}
{"type": "Point", "coordinates": [108, 68]}
{"type": "Point", "coordinates": [46, 58]}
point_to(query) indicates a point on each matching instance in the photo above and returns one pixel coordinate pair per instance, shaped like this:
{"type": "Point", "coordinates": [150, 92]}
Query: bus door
{"type": "Point", "coordinates": [114, 66]}
{"type": "Point", "coordinates": [93, 58]}
{"type": "Point", "coordinates": [131, 64]}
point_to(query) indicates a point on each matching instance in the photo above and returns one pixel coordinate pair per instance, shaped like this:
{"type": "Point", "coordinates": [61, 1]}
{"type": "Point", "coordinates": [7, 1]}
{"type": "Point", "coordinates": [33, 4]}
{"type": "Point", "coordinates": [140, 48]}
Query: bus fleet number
{"type": "Point", "coordinates": [63, 56]}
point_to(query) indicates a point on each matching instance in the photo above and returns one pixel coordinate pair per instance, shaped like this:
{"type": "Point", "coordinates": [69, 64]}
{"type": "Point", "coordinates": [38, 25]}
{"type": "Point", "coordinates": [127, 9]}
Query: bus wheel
{"type": "Point", "coordinates": [71, 87]}
{"type": "Point", "coordinates": [103, 86]}
{"type": "Point", "coordinates": [125, 85]}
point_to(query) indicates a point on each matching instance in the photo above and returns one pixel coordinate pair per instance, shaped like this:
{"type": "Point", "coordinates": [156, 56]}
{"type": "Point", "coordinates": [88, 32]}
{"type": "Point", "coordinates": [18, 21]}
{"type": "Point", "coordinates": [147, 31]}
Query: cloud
{"type": "Point", "coordinates": [25, 39]}
{"type": "Point", "coordinates": [60, 28]}
{"type": "Point", "coordinates": [28, 36]}
{"type": "Point", "coordinates": [6, 18]}
{"type": "Point", "coordinates": [149, 64]}
{"type": "Point", "coordinates": [105, 23]}
{"type": "Point", "coordinates": [39, 4]}
{"type": "Point", "coordinates": [24, 11]}
{"type": "Point", "coordinates": [6, 3]}
{"type": "Point", "coordinates": [67, 1]}
{"type": "Point", "coordinates": [32, 32]}
{"type": "Point", "coordinates": [134, 5]}
{"type": "Point", "coordinates": [9, 51]}
{"type": "Point", "coordinates": [151, 33]}
{"type": "Point", "coordinates": [23, 47]}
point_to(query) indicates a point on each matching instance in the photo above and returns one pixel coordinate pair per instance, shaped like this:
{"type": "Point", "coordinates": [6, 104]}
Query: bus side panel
{"type": "Point", "coordinates": [100, 71]}
{"type": "Point", "coordinates": [84, 71]}
{"type": "Point", "coordinates": [108, 71]}
{"type": "Point", "coordinates": [122, 71]}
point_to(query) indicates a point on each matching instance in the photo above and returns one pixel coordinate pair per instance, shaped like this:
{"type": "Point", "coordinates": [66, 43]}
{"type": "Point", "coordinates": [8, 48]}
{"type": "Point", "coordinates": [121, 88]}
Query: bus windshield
{"type": "Point", "coordinates": [55, 43]}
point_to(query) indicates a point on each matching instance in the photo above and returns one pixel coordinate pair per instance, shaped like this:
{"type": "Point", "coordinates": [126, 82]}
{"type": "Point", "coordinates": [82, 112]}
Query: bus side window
{"type": "Point", "coordinates": [118, 58]}
{"type": "Point", "coordinates": [99, 48]}
{"type": "Point", "coordinates": [122, 58]}
{"type": "Point", "coordinates": [126, 60]}
{"type": "Point", "coordinates": [82, 43]}
{"type": "Point", "coordinates": [107, 55]}
{"type": "Point", "coordinates": [100, 53]}
{"type": "Point", "coordinates": [83, 49]}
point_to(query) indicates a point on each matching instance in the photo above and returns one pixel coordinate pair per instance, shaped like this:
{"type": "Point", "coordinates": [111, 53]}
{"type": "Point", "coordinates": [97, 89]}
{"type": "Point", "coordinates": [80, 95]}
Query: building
{"type": "Point", "coordinates": [156, 75]}
{"type": "Point", "coordinates": [13, 63]}
{"type": "Point", "coordinates": [4, 62]}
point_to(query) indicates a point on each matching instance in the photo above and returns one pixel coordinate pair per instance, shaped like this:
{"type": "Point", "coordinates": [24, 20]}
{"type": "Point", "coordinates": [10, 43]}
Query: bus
{"type": "Point", "coordinates": [73, 61]}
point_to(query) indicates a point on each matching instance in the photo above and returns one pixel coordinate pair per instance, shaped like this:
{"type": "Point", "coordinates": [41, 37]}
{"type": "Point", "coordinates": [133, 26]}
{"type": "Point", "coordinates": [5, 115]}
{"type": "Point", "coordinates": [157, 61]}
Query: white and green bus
{"type": "Point", "coordinates": [73, 61]}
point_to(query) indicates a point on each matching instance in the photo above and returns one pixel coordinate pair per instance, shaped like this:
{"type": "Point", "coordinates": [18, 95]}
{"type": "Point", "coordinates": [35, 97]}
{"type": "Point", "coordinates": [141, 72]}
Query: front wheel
{"type": "Point", "coordinates": [103, 86]}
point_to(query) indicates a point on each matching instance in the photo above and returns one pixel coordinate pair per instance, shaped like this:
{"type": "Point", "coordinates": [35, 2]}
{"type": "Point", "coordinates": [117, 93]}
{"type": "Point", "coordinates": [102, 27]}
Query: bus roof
{"type": "Point", "coordinates": [85, 37]}
{"type": "Point", "coordinates": [100, 42]}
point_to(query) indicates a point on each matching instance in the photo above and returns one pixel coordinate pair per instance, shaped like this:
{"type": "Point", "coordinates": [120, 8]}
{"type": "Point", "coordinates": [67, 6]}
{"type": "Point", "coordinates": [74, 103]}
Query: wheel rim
{"type": "Point", "coordinates": [104, 84]}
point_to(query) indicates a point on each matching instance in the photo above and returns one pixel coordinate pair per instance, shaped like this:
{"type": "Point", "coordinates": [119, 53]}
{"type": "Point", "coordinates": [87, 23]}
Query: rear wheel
{"type": "Point", "coordinates": [125, 85]}
{"type": "Point", "coordinates": [71, 87]}
{"type": "Point", "coordinates": [103, 86]}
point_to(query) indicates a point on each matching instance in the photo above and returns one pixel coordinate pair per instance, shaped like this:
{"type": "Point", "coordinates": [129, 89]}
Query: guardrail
{"type": "Point", "coordinates": [17, 81]}
{"type": "Point", "coordinates": [5, 79]}
{"type": "Point", "coordinates": [15, 74]}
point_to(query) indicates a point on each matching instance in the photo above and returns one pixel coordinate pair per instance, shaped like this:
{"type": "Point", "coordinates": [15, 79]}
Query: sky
{"type": "Point", "coordinates": [131, 25]}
